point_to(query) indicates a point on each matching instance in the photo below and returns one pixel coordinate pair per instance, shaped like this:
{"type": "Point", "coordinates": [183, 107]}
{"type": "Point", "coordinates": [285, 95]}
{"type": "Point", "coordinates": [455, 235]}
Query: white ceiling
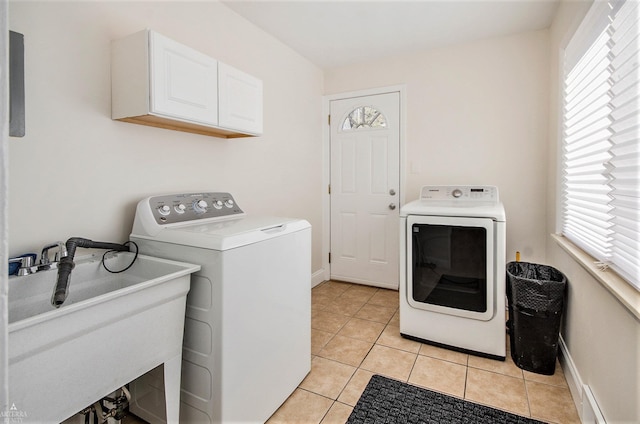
{"type": "Point", "coordinates": [334, 33]}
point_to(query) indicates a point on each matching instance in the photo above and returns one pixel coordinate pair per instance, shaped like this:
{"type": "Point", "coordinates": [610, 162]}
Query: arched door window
{"type": "Point", "coordinates": [364, 117]}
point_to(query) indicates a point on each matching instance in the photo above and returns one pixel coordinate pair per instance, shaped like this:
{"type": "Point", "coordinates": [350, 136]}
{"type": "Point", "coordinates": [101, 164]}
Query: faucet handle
{"type": "Point", "coordinates": [26, 264]}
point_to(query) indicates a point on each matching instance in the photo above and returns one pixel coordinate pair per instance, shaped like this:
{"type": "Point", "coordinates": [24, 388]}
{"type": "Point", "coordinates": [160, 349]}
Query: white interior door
{"type": "Point", "coordinates": [365, 189]}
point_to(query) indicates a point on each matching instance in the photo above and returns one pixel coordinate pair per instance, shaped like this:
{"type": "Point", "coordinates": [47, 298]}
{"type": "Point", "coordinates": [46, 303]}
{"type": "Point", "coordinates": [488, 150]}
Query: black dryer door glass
{"type": "Point", "coordinates": [449, 266]}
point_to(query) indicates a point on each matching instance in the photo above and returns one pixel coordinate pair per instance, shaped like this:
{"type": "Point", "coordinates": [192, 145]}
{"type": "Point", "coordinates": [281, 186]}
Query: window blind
{"type": "Point", "coordinates": [601, 137]}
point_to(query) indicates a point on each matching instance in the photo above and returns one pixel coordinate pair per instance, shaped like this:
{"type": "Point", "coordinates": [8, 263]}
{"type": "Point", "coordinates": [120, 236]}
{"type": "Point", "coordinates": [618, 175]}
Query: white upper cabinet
{"type": "Point", "coordinates": [184, 82]}
{"type": "Point", "coordinates": [159, 82]}
{"type": "Point", "coordinates": [240, 99]}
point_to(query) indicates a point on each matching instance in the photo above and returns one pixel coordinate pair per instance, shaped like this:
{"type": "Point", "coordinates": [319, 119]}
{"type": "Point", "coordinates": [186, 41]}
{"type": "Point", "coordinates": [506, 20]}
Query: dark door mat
{"type": "Point", "coordinates": [390, 401]}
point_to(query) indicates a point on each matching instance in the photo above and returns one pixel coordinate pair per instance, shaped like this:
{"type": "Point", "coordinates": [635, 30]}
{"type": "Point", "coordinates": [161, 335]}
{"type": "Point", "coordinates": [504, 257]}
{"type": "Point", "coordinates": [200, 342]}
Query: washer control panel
{"type": "Point", "coordinates": [460, 193]}
{"type": "Point", "coordinates": [173, 208]}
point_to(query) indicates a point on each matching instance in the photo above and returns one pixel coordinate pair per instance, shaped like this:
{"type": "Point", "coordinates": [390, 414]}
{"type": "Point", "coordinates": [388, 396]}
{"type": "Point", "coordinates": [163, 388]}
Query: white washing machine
{"type": "Point", "coordinates": [247, 336]}
{"type": "Point", "coordinates": [452, 273]}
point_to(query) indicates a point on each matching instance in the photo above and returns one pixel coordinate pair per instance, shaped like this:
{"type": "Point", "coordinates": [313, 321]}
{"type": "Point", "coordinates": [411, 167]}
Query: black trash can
{"type": "Point", "coordinates": [535, 296]}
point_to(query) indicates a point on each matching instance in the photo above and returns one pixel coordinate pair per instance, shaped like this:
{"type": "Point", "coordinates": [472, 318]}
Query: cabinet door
{"type": "Point", "coordinates": [240, 100]}
{"type": "Point", "coordinates": [183, 81]}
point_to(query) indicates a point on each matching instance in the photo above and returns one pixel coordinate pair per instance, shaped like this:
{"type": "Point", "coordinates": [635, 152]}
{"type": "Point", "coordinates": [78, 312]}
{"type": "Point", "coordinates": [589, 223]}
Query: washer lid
{"type": "Point", "coordinates": [226, 234]}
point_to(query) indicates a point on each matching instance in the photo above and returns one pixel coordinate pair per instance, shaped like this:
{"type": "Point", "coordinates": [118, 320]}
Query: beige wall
{"type": "Point", "coordinates": [602, 335]}
{"type": "Point", "coordinates": [78, 173]}
{"type": "Point", "coordinates": [476, 114]}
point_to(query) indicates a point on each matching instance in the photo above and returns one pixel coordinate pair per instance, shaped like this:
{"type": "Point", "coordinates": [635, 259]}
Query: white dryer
{"type": "Point", "coordinates": [247, 338]}
{"type": "Point", "coordinates": [452, 273]}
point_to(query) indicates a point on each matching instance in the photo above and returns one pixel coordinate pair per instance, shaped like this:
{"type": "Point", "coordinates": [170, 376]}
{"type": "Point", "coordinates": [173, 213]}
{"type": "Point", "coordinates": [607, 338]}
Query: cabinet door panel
{"type": "Point", "coordinates": [184, 81]}
{"type": "Point", "coordinates": [240, 100]}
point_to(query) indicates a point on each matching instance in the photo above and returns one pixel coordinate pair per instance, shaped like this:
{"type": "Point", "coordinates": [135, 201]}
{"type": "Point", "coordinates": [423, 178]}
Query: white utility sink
{"type": "Point", "coordinates": [111, 329]}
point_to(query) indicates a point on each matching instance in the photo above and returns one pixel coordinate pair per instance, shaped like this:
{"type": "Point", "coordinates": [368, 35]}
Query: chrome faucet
{"type": "Point", "coordinates": [26, 265]}
{"type": "Point", "coordinates": [45, 262]}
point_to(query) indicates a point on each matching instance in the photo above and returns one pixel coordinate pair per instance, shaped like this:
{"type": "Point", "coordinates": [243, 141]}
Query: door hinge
{"type": "Point", "coordinates": [329, 257]}
{"type": "Point", "coordinates": [329, 119]}
{"type": "Point", "coordinates": [329, 188]}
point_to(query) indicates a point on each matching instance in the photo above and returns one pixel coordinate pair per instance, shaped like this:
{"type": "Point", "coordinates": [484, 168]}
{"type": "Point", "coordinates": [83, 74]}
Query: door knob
{"type": "Point", "coordinates": [392, 192]}
{"type": "Point", "coordinates": [392, 206]}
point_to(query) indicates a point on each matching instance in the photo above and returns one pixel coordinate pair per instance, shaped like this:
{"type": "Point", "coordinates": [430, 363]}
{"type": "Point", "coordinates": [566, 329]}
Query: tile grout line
{"type": "Point", "coordinates": [526, 392]}
{"type": "Point", "coordinates": [413, 366]}
{"type": "Point", "coordinates": [466, 377]}
{"type": "Point", "coordinates": [318, 394]}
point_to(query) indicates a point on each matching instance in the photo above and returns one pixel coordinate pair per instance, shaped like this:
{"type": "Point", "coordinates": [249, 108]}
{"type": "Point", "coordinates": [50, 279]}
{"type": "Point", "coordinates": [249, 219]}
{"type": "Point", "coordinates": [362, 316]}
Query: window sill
{"type": "Point", "coordinates": [623, 291]}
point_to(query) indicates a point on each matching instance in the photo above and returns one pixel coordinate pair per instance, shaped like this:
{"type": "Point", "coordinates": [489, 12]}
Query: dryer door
{"type": "Point", "coordinates": [450, 265]}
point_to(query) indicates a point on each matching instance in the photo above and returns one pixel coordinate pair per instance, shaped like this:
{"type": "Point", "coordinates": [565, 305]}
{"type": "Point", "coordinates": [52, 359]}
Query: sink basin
{"type": "Point", "coordinates": [111, 329]}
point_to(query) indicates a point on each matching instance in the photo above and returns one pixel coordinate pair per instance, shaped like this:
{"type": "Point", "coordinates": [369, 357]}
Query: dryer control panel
{"type": "Point", "coordinates": [483, 194]}
{"type": "Point", "coordinates": [174, 208]}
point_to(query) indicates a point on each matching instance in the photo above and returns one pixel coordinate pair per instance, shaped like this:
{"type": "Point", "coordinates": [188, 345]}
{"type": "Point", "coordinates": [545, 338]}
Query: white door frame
{"type": "Point", "coordinates": [326, 164]}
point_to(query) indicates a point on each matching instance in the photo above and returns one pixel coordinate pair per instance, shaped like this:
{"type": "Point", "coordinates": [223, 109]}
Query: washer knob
{"type": "Point", "coordinates": [229, 203]}
{"type": "Point", "coordinates": [217, 204]}
{"type": "Point", "coordinates": [181, 208]}
{"type": "Point", "coordinates": [200, 206]}
{"type": "Point", "coordinates": [164, 210]}
{"type": "Point", "coordinates": [456, 193]}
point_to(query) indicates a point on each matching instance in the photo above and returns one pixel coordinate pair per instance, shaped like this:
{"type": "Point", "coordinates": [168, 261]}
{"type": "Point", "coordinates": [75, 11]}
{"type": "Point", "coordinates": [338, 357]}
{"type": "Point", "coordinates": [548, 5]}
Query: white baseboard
{"type": "Point", "coordinates": [391, 286]}
{"type": "Point", "coordinates": [585, 402]}
{"type": "Point", "coordinates": [323, 275]}
{"type": "Point", "coordinates": [591, 413]}
{"type": "Point", "coordinates": [318, 277]}
{"type": "Point", "coordinates": [571, 374]}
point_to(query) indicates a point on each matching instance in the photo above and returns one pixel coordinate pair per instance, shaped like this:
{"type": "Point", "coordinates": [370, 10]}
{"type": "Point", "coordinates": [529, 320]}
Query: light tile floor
{"type": "Point", "coordinates": [355, 334]}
